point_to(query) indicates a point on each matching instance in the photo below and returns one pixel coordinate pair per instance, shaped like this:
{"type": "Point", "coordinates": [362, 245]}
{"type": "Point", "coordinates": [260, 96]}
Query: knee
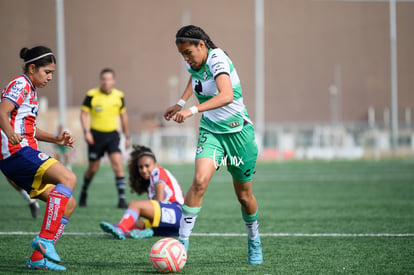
{"type": "Point", "coordinates": [136, 206]}
{"type": "Point", "coordinates": [93, 167]}
{"type": "Point", "coordinates": [133, 205]}
{"type": "Point", "coordinates": [70, 180]}
{"type": "Point", "coordinates": [245, 199]}
{"type": "Point", "coordinates": [200, 184]}
{"type": "Point", "coordinates": [91, 172]}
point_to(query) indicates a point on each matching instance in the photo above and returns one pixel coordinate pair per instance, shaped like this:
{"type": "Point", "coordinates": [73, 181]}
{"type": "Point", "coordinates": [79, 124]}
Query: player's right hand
{"type": "Point", "coordinates": [89, 138]}
{"type": "Point", "coordinates": [65, 138]}
{"type": "Point", "coordinates": [15, 138]}
{"type": "Point", "coordinates": [171, 111]}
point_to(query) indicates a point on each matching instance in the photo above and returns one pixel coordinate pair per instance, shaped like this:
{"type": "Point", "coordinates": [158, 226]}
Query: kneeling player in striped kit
{"type": "Point", "coordinates": [161, 213]}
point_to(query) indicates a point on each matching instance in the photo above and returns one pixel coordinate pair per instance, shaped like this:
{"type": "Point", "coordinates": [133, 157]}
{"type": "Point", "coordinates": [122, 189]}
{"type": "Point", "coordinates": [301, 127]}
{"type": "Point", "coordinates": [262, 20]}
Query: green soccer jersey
{"type": "Point", "coordinates": [226, 119]}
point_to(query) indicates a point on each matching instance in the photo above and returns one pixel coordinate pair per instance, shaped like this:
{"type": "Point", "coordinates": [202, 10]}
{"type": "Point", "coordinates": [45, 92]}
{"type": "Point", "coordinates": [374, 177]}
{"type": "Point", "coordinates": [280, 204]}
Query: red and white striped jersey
{"type": "Point", "coordinates": [172, 190]}
{"type": "Point", "coordinates": [21, 92]}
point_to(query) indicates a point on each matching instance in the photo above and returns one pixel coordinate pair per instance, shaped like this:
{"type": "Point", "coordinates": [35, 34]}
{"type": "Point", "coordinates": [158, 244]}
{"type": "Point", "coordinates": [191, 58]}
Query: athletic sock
{"type": "Point", "coordinates": [55, 207]}
{"type": "Point", "coordinates": [252, 225]}
{"type": "Point", "coordinates": [128, 220]}
{"type": "Point", "coordinates": [26, 196]}
{"type": "Point", "coordinates": [37, 256]}
{"type": "Point", "coordinates": [187, 222]}
{"type": "Point", "coordinates": [63, 222]}
{"type": "Point", "coordinates": [85, 185]}
{"type": "Point", "coordinates": [120, 185]}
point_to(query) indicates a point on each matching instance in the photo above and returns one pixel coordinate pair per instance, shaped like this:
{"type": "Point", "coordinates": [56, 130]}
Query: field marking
{"type": "Point", "coordinates": [309, 234]}
{"type": "Point", "coordinates": [242, 234]}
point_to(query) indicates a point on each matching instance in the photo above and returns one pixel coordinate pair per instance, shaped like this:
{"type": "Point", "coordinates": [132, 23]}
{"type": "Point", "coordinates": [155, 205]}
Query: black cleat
{"type": "Point", "coordinates": [122, 204]}
{"type": "Point", "coordinates": [82, 200]}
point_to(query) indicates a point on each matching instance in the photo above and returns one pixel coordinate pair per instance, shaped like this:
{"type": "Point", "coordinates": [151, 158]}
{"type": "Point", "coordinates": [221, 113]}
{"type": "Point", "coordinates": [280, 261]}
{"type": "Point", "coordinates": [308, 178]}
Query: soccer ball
{"type": "Point", "coordinates": [168, 255]}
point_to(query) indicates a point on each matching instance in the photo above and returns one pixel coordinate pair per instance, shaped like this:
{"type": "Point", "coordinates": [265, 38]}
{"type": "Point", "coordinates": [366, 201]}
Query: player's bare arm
{"type": "Point", "coordinates": [64, 138]}
{"type": "Point", "coordinates": [84, 118]}
{"type": "Point", "coordinates": [171, 111]}
{"type": "Point", "coordinates": [5, 108]}
{"type": "Point", "coordinates": [159, 191]}
{"type": "Point", "coordinates": [125, 129]}
{"type": "Point", "coordinates": [223, 98]}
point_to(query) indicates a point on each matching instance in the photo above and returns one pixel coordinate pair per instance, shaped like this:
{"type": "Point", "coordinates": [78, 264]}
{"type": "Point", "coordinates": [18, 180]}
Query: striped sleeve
{"type": "Point", "coordinates": [16, 92]}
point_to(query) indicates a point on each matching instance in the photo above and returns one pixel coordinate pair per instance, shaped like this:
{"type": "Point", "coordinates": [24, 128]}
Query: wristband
{"type": "Point", "coordinates": [181, 102]}
{"type": "Point", "coordinates": [194, 110]}
{"type": "Point", "coordinates": [85, 131]}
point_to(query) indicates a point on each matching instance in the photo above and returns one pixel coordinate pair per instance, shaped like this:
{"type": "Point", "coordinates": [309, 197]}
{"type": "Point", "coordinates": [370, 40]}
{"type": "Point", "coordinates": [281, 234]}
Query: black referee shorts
{"type": "Point", "coordinates": [104, 143]}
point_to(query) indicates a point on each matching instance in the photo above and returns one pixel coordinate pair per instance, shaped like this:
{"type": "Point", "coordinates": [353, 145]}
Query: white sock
{"type": "Point", "coordinates": [187, 223]}
{"type": "Point", "coordinates": [252, 229]}
{"type": "Point", "coordinates": [26, 196]}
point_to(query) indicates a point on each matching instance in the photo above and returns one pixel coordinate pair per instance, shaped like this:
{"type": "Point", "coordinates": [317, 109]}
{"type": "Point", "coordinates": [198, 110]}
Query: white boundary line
{"type": "Point", "coordinates": [309, 234]}
{"type": "Point", "coordinates": [353, 235]}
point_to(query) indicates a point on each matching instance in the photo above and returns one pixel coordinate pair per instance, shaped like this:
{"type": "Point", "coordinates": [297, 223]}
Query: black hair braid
{"type": "Point", "coordinates": [137, 183]}
{"type": "Point", "coordinates": [193, 34]}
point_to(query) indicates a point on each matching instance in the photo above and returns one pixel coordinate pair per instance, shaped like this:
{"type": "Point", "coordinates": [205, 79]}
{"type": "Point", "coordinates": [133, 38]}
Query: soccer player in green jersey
{"type": "Point", "coordinates": [226, 135]}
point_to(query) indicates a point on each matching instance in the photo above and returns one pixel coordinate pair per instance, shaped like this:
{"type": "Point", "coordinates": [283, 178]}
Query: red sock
{"type": "Point", "coordinates": [63, 222]}
{"type": "Point", "coordinates": [37, 256]}
{"type": "Point", "coordinates": [55, 207]}
{"type": "Point", "coordinates": [128, 220]}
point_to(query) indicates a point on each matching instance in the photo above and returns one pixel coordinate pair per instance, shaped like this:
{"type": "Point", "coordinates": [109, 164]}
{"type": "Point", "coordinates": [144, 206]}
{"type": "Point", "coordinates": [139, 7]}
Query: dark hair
{"type": "Point", "coordinates": [193, 34]}
{"type": "Point", "coordinates": [137, 183]}
{"type": "Point", "coordinates": [30, 57]}
{"type": "Point", "coordinates": [107, 70]}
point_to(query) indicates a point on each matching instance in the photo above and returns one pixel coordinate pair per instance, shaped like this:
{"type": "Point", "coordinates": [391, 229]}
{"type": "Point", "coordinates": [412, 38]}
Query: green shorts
{"type": "Point", "coordinates": [236, 151]}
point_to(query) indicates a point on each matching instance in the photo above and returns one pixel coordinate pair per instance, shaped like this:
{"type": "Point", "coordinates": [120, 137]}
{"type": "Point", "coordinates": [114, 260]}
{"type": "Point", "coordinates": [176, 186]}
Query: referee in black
{"type": "Point", "coordinates": [101, 110]}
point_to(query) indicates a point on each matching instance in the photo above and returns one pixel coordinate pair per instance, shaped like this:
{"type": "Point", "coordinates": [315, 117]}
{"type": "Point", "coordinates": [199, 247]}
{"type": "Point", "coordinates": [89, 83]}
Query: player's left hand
{"type": "Point", "coordinates": [171, 111]}
{"type": "Point", "coordinates": [180, 117]}
{"type": "Point", "coordinates": [127, 143]}
{"type": "Point", "coordinates": [65, 138]}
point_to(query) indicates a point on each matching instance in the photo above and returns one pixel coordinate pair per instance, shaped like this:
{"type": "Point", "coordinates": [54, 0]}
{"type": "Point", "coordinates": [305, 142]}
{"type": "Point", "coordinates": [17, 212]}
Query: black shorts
{"type": "Point", "coordinates": [104, 143]}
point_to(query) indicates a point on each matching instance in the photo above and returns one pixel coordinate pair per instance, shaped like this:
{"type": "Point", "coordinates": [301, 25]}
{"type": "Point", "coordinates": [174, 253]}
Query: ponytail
{"type": "Point", "coordinates": [40, 56]}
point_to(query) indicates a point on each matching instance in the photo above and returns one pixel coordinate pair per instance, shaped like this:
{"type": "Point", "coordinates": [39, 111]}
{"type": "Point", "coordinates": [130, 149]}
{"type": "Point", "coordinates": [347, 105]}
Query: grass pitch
{"type": "Point", "coordinates": [341, 217]}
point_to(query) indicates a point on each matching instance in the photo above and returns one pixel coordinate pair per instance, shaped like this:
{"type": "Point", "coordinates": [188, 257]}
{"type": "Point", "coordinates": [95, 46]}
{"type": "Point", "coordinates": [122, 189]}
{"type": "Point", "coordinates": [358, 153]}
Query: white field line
{"type": "Point", "coordinates": [352, 235]}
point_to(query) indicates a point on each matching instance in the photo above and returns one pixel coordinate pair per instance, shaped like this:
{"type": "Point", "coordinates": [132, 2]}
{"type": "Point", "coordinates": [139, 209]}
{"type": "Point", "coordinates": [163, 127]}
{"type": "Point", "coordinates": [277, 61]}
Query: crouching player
{"type": "Point", "coordinates": [40, 175]}
{"type": "Point", "coordinates": [162, 210]}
